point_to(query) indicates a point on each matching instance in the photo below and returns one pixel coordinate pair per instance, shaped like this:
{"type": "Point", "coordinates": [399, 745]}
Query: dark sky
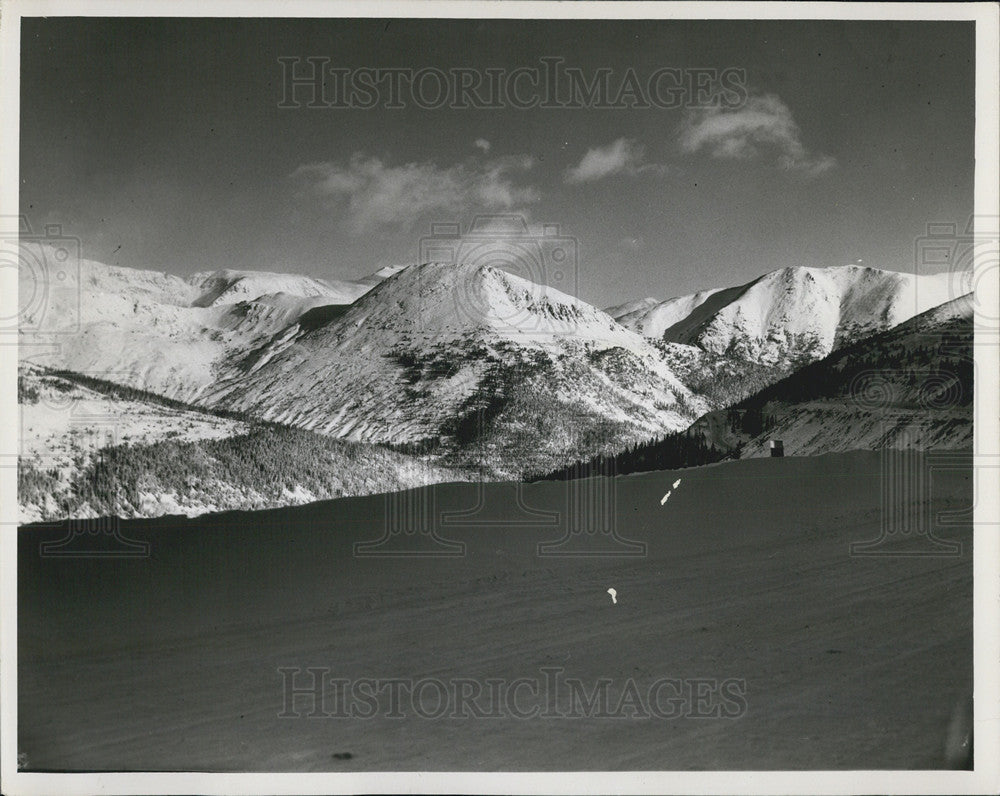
{"type": "Point", "coordinates": [161, 145]}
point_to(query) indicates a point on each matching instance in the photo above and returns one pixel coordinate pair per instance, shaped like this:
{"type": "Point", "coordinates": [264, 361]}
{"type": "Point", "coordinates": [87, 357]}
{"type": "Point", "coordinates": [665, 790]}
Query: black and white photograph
{"type": "Point", "coordinates": [499, 397]}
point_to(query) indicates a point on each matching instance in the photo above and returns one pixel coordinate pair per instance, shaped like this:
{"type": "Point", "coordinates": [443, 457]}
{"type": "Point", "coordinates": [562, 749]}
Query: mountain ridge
{"type": "Point", "coordinates": [788, 309]}
{"type": "Point", "coordinates": [474, 366]}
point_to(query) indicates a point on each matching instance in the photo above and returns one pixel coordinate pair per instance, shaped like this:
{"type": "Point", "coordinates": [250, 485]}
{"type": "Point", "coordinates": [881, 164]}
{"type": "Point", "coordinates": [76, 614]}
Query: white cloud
{"type": "Point", "coordinates": [372, 193]}
{"type": "Point", "coordinates": [623, 156]}
{"type": "Point", "coordinates": [483, 144]}
{"type": "Point", "coordinates": [763, 123]}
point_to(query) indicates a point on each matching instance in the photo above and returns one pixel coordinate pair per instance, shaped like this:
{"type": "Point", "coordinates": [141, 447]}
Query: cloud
{"type": "Point", "coordinates": [763, 123]}
{"type": "Point", "coordinates": [623, 156]}
{"type": "Point", "coordinates": [371, 193]}
{"type": "Point", "coordinates": [483, 144]}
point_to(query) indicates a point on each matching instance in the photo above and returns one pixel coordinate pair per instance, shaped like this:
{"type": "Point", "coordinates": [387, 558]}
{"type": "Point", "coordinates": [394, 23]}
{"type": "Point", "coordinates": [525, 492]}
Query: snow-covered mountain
{"type": "Point", "coordinates": [158, 332]}
{"type": "Point", "coordinates": [438, 348]}
{"type": "Point", "coordinates": [910, 386]}
{"type": "Point", "coordinates": [422, 356]}
{"type": "Point", "coordinates": [470, 363]}
{"type": "Point", "coordinates": [788, 313]}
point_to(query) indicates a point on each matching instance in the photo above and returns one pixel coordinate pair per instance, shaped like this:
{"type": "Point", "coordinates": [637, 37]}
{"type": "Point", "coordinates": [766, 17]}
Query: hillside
{"type": "Point", "coordinates": [231, 287]}
{"type": "Point", "coordinates": [911, 386]}
{"type": "Point", "coordinates": [92, 448]}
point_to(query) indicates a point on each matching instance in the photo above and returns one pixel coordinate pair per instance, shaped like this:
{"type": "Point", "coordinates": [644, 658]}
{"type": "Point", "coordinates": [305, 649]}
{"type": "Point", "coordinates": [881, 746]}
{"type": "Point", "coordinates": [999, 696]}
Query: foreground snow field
{"type": "Point", "coordinates": [849, 662]}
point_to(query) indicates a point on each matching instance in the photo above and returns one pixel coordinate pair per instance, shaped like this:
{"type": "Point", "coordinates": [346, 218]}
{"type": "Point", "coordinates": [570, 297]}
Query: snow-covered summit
{"type": "Point", "coordinates": [436, 341]}
{"type": "Point", "coordinates": [789, 311]}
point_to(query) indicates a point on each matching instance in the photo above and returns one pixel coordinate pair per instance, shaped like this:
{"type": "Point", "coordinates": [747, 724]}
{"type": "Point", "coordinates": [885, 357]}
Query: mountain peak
{"type": "Point", "coordinates": [445, 299]}
{"type": "Point", "coordinates": [438, 341]}
{"type": "Point", "coordinates": [790, 311]}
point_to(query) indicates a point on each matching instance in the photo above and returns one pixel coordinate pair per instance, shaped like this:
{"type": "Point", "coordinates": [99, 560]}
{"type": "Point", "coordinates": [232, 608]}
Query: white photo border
{"type": "Point", "coordinates": [986, 777]}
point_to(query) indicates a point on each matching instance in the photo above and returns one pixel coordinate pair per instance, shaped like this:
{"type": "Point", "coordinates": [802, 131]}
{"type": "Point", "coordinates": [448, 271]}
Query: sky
{"type": "Point", "coordinates": [163, 144]}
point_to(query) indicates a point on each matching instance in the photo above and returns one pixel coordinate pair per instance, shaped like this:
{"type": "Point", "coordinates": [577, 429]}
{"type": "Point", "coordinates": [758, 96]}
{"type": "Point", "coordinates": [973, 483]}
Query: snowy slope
{"type": "Point", "coordinates": [158, 332]}
{"type": "Point", "coordinates": [160, 457]}
{"type": "Point", "coordinates": [789, 312]}
{"type": "Point", "coordinates": [64, 424]}
{"type": "Point", "coordinates": [419, 355]}
{"type": "Point", "coordinates": [651, 317]}
{"type": "Point", "coordinates": [910, 386]}
{"type": "Point", "coordinates": [229, 287]}
{"type": "Point", "coordinates": [416, 359]}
